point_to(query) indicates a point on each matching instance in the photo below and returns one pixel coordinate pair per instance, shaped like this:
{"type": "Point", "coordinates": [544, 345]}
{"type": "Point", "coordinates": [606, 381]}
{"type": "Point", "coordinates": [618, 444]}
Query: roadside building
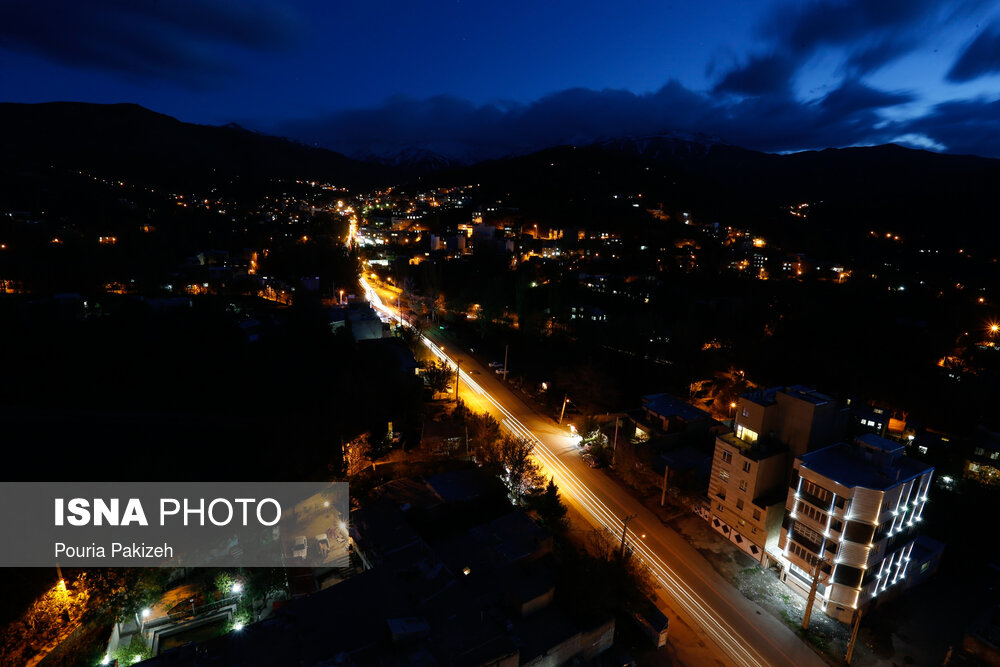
{"type": "Point", "coordinates": [852, 512]}
{"type": "Point", "coordinates": [746, 491]}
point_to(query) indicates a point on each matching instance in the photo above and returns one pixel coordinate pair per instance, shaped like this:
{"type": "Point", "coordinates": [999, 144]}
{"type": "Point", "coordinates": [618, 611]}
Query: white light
{"type": "Point", "coordinates": [238, 626]}
{"type": "Point", "coordinates": [146, 612]}
{"type": "Point", "coordinates": [106, 660]}
{"type": "Point", "coordinates": [237, 587]}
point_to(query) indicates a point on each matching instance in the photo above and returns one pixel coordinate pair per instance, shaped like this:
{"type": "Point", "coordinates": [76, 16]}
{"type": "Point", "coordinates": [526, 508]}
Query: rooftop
{"type": "Point", "coordinates": [667, 406]}
{"type": "Point", "coordinates": [852, 465]}
{"type": "Point", "coordinates": [801, 392]}
{"type": "Point", "coordinates": [762, 449]}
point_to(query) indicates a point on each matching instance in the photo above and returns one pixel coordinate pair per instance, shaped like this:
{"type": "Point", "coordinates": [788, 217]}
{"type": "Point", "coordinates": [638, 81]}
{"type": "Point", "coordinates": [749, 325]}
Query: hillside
{"type": "Point", "coordinates": [127, 140]}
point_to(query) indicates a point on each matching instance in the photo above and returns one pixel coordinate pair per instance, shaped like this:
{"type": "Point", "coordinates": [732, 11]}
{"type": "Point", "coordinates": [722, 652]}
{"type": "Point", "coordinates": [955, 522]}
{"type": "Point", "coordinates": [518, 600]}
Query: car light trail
{"type": "Point", "coordinates": [723, 634]}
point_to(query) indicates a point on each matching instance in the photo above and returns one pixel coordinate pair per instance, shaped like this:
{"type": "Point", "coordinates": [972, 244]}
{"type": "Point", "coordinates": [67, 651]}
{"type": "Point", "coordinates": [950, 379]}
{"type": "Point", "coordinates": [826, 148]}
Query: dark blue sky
{"type": "Point", "coordinates": [487, 78]}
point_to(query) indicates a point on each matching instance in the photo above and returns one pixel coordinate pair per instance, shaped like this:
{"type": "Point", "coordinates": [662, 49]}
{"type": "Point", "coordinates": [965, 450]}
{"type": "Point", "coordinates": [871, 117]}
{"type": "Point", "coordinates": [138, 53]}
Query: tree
{"type": "Point", "coordinates": [356, 455]}
{"type": "Point", "coordinates": [550, 508]}
{"type": "Point", "coordinates": [510, 459]}
{"type": "Point", "coordinates": [437, 375]}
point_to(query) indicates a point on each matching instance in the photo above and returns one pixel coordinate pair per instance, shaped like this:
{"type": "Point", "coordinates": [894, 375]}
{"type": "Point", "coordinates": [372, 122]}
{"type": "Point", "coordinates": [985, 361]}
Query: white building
{"type": "Point", "coordinates": [853, 509]}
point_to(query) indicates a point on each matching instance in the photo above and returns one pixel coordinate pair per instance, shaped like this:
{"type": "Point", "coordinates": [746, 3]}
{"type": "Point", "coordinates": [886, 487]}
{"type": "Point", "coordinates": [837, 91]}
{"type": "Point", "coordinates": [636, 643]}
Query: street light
{"type": "Point", "coordinates": [732, 409]}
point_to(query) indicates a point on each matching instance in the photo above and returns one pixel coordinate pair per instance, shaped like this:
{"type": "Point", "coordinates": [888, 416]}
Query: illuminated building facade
{"type": "Point", "coordinates": [750, 467]}
{"type": "Point", "coordinates": [853, 509]}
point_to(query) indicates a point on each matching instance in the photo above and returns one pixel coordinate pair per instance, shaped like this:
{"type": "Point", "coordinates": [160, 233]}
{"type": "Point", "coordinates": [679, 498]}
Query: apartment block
{"type": "Point", "coordinates": [799, 417]}
{"type": "Point", "coordinates": [747, 492]}
{"type": "Point", "coordinates": [851, 516]}
{"type": "Point", "coordinates": [750, 468]}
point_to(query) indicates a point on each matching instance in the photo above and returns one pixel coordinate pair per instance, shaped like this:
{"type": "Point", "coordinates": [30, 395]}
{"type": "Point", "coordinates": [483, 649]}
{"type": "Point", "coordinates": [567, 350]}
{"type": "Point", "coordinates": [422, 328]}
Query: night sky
{"type": "Point", "coordinates": [477, 79]}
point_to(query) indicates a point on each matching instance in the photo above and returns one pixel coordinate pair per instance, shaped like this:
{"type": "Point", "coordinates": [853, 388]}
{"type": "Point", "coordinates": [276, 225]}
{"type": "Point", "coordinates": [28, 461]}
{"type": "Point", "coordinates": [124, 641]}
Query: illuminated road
{"type": "Point", "coordinates": [734, 630]}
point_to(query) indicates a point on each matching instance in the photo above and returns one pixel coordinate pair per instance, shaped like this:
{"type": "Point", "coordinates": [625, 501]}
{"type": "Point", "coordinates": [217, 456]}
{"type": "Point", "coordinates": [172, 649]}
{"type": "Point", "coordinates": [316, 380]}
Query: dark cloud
{"type": "Point", "coordinates": [180, 40]}
{"type": "Point", "coordinates": [457, 128]}
{"type": "Point", "coordinates": [853, 96]}
{"type": "Point", "coordinates": [969, 127]}
{"type": "Point", "coordinates": [868, 35]}
{"type": "Point", "coordinates": [760, 75]}
{"type": "Point", "coordinates": [980, 57]}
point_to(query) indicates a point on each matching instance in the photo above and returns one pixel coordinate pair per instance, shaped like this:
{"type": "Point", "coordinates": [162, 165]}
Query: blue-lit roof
{"type": "Point", "coordinates": [667, 406]}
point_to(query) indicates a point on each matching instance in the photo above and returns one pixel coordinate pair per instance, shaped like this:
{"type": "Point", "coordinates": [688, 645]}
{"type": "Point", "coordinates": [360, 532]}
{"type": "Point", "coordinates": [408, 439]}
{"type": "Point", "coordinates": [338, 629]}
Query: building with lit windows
{"type": "Point", "coordinates": [799, 417]}
{"type": "Point", "coordinates": [747, 489]}
{"type": "Point", "coordinates": [852, 512]}
{"type": "Point", "coordinates": [747, 492]}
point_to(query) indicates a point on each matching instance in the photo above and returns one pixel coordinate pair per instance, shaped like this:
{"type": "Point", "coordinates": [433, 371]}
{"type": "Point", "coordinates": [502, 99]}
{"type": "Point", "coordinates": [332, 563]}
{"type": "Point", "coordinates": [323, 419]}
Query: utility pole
{"type": "Point", "coordinates": [812, 594]}
{"type": "Point", "coordinates": [506, 349]}
{"type": "Point", "coordinates": [663, 496]}
{"type": "Point", "coordinates": [854, 635]}
{"type": "Point", "coordinates": [614, 444]}
{"type": "Point", "coordinates": [624, 530]}
{"type": "Point", "coordinates": [563, 411]}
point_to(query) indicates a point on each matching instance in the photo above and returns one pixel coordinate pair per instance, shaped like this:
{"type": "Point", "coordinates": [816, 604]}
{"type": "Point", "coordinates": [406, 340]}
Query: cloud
{"type": "Point", "coordinates": [969, 127]}
{"type": "Point", "coordinates": [181, 41]}
{"type": "Point", "coordinates": [980, 57]}
{"type": "Point", "coordinates": [457, 128]}
{"type": "Point", "coordinates": [865, 35]}
{"type": "Point", "coordinates": [759, 75]}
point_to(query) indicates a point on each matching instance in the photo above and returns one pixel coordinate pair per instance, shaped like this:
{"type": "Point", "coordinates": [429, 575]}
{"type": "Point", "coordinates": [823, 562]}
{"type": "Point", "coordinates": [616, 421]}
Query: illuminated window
{"type": "Point", "coordinates": [724, 476]}
{"type": "Point", "coordinates": [746, 435]}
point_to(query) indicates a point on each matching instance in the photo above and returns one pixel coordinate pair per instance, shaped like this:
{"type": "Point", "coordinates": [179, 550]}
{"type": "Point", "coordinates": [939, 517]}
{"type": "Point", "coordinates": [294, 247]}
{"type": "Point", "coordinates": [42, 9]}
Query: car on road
{"type": "Point", "coordinates": [299, 547]}
{"type": "Point", "coordinates": [496, 365]}
{"type": "Point", "coordinates": [590, 460]}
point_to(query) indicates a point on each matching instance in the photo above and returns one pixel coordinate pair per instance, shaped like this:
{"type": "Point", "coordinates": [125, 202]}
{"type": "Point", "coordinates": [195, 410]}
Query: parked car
{"type": "Point", "coordinates": [590, 460]}
{"type": "Point", "coordinates": [300, 547]}
{"type": "Point", "coordinates": [496, 364]}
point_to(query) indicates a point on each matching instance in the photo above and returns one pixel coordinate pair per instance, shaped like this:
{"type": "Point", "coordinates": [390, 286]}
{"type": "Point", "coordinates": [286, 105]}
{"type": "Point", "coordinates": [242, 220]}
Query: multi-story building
{"type": "Point", "coordinates": [750, 468]}
{"type": "Point", "coordinates": [852, 510]}
{"type": "Point", "coordinates": [746, 493]}
{"type": "Point", "coordinates": [797, 416]}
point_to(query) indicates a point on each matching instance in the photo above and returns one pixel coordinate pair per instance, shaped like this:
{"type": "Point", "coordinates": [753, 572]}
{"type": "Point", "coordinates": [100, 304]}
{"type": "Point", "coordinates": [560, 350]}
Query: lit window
{"type": "Point", "coordinates": [746, 435]}
{"type": "Point", "coordinates": [724, 476]}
